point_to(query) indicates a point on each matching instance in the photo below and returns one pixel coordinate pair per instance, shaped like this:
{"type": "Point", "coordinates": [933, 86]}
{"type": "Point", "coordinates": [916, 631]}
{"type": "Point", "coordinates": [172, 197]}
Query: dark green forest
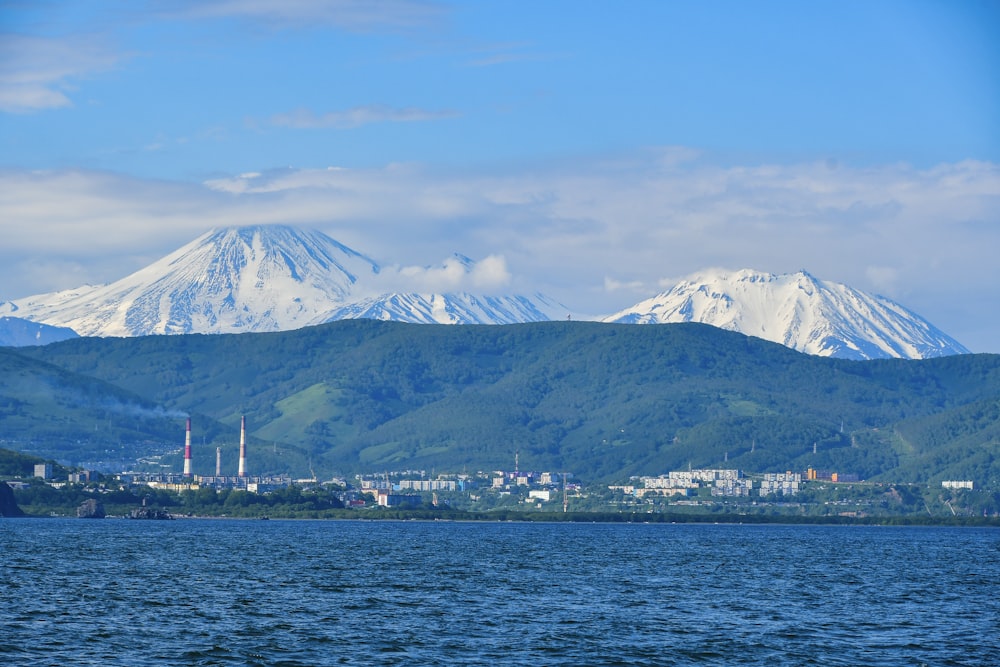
{"type": "Point", "coordinates": [602, 401]}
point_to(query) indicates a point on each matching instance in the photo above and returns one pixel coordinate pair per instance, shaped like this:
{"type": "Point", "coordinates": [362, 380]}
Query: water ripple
{"type": "Point", "coordinates": [408, 593]}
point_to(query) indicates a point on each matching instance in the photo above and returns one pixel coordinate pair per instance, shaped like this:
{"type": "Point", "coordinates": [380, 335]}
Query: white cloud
{"type": "Point", "coordinates": [38, 72]}
{"type": "Point", "coordinates": [357, 116]}
{"type": "Point", "coordinates": [636, 286]}
{"type": "Point", "coordinates": [455, 274]}
{"type": "Point", "coordinates": [445, 278]}
{"type": "Point", "coordinates": [490, 273]}
{"type": "Point", "coordinates": [883, 278]}
{"type": "Point", "coordinates": [356, 15]}
{"type": "Point", "coordinates": [593, 235]}
{"type": "Point", "coordinates": [490, 55]}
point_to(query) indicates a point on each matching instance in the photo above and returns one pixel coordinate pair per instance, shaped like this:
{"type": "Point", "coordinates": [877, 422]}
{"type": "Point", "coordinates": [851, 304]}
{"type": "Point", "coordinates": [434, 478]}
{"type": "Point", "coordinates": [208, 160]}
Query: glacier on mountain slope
{"type": "Point", "coordinates": [452, 308]}
{"type": "Point", "coordinates": [799, 311]}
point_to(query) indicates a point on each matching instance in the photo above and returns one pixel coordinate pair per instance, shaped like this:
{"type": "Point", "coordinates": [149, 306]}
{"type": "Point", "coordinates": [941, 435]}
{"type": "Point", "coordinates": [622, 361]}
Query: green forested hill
{"type": "Point", "coordinates": [603, 401]}
{"type": "Point", "coordinates": [55, 413]}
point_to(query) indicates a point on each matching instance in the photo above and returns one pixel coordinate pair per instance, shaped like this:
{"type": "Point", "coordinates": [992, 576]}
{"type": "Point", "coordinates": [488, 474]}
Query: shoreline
{"type": "Point", "coordinates": [581, 517]}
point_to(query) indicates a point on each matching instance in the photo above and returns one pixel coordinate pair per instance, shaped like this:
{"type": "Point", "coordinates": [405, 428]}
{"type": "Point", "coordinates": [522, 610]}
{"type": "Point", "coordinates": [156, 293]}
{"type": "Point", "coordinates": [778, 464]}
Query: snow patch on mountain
{"type": "Point", "coordinates": [799, 311]}
{"type": "Point", "coordinates": [455, 308]}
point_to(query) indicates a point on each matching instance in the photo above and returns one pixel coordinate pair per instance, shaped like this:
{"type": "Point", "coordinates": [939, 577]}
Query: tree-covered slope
{"type": "Point", "coordinates": [600, 400]}
{"type": "Point", "coordinates": [50, 412]}
{"type": "Point", "coordinates": [84, 421]}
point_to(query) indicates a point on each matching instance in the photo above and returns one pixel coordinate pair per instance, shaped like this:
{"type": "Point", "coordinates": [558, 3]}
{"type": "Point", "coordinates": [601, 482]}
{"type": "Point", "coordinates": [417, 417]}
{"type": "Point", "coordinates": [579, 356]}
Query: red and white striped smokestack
{"type": "Point", "coordinates": [187, 450]}
{"type": "Point", "coordinates": [243, 447]}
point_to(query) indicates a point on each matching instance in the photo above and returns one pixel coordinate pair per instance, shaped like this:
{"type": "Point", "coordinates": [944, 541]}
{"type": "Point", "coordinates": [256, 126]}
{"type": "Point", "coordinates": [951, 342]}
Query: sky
{"type": "Point", "coordinates": [595, 152]}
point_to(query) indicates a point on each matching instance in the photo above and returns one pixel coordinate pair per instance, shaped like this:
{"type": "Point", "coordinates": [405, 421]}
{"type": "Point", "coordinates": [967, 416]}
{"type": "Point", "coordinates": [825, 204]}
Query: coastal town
{"type": "Point", "coordinates": [816, 492]}
{"type": "Point", "coordinates": [163, 491]}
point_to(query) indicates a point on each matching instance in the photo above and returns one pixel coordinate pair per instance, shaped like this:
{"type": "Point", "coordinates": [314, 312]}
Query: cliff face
{"type": "Point", "coordinates": [8, 506]}
{"type": "Point", "coordinates": [90, 509]}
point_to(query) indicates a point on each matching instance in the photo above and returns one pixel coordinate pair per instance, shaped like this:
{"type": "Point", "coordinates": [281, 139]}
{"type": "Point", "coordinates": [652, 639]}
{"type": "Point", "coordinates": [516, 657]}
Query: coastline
{"type": "Point", "coordinates": [456, 516]}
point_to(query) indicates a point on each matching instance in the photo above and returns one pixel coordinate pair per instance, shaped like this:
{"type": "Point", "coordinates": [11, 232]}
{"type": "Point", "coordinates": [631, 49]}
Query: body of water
{"type": "Point", "coordinates": [228, 592]}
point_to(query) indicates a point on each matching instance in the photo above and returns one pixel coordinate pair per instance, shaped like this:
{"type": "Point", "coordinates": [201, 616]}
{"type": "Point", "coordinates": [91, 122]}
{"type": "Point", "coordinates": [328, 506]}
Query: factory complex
{"type": "Point", "coordinates": [187, 480]}
{"type": "Point", "coordinates": [395, 489]}
{"type": "Point", "coordinates": [710, 487]}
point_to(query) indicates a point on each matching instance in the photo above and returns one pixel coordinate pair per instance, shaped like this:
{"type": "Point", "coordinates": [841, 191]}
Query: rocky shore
{"type": "Point", "coordinates": [8, 505]}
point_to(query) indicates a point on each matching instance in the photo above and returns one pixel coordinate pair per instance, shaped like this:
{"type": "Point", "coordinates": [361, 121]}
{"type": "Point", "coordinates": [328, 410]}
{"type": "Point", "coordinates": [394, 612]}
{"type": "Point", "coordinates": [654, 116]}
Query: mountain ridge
{"type": "Point", "coordinates": [19, 332]}
{"type": "Point", "coordinates": [601, 400]}
{"type": "Point", "coordinates": [278, 278]}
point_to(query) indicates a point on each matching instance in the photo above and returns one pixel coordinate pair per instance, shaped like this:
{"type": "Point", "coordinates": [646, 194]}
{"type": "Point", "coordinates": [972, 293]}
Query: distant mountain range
{"type": "Point", "coordinates": [279, 278]}
{"type": "Point", "coordinates": [19, 332]}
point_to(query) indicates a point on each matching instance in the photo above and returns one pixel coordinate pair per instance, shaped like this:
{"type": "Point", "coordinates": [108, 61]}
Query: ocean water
{"type": "Point", "coordinates": [229, 592]}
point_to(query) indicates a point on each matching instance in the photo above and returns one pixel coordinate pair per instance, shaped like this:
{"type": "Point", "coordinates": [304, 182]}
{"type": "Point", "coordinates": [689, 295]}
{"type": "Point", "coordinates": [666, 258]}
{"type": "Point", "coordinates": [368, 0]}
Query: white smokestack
{"type": "Point", "coordinates": [218, 461]}
{"type": "Point", "coordinates": [187, 450]}
{"type": "Point", "coordinates": [243, 447]}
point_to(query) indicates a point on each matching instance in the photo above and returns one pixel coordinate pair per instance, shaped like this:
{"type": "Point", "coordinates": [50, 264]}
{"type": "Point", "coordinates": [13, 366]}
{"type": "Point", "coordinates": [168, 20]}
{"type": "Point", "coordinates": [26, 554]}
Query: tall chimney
{"type": "Point", "coordinates": [243, 447]}
{"type": "Point", "coordinates": [187, 450]}
{"type": "Point", "coordinates": [218, 461]}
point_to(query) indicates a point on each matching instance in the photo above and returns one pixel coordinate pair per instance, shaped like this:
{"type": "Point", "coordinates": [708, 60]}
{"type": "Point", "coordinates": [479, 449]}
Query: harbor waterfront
{"type": "Point", "coordinates": [238, 592]}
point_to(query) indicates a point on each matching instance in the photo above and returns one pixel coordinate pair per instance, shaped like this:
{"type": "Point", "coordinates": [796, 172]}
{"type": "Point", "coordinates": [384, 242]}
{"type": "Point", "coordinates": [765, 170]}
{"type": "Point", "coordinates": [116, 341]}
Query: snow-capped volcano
{"type": "Point", "coordinates": [265, 278]}
{"type": "Point", "coordinates": [799, 311]}
{"type": "Point", "coordinates": [258, 278]}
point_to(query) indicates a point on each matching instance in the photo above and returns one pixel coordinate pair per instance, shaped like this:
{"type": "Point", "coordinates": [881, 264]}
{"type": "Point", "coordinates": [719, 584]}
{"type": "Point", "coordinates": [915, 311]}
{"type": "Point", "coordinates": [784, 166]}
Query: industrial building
{"type": "Point", "coordinates": [187, 480]}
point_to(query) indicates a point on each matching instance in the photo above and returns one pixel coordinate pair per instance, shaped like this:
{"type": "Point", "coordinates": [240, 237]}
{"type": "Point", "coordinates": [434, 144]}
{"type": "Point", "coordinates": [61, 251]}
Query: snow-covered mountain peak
{"type": "Point", "coordinates": [797, 310]}
{"type": "Point", "coordinates": [258, 278]}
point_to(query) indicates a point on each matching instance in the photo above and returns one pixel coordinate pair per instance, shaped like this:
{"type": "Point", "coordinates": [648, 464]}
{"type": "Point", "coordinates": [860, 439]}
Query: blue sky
{"type": "Point", "coordinates": [600, 150]}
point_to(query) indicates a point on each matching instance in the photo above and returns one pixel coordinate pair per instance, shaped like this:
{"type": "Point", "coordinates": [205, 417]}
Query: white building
{"type": "Point", "coordinates": [428, 485]}
{"type": "Point", "coordinates": [707, 475]}
{"type": "Point", "coordinates": [669, 482]}
{"type": "Point", "coordinates": [782, 487]}
{"type": "Point", "coordinates": [732, 487]}
{"type": "Point", "coordinates": [783, 483]}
